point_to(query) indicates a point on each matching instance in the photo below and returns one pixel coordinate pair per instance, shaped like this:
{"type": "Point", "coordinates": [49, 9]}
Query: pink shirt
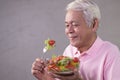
{"type": "Point", "coordinates": [100, 62]}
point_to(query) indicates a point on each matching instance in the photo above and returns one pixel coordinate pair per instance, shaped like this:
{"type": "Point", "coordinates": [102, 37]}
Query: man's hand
{"type": "Point", "coordinates": [38, 68]}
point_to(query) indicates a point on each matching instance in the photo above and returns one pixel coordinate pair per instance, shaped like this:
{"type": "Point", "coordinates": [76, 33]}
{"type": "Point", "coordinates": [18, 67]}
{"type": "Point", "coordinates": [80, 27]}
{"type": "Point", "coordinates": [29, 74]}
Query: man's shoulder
{"type": "Point", "coordinates": [106, 44]}
{"type": "Point", "coordinates": [110, 45]}
{"type": "Point", "coordinates": [111, 48]}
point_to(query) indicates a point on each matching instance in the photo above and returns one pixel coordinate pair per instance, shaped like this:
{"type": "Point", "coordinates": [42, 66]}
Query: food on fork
{"type": "Point", "coordinates": [50, 44]}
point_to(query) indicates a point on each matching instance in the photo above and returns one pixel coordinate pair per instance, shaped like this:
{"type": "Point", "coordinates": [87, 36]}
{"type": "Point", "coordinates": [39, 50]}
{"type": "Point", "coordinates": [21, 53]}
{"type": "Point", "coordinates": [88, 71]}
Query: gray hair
{"type": "Point", "coordinates": [89, 8]}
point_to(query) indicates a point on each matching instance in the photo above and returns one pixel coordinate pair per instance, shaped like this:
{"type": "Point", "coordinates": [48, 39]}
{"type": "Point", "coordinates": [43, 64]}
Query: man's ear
{"type": "Point", "coordinates": [95, 25]}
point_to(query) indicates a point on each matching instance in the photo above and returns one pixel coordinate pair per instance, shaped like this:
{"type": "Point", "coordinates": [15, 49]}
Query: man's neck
{"type": "Point", "coordinates": [86, 47]}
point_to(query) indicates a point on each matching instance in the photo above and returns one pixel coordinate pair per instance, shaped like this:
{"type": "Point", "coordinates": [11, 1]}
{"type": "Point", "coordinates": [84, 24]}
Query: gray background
{"type": "Point", "coordinates": [25, 24]}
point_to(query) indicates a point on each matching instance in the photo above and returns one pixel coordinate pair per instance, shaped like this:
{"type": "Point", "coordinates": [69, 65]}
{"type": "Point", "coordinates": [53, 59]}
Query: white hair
{"type": "Point", "coordinates": [89, 8]}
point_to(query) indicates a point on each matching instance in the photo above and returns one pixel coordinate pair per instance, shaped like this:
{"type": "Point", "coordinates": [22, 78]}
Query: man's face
{"type": "Point", "coordinates": [76, 29]}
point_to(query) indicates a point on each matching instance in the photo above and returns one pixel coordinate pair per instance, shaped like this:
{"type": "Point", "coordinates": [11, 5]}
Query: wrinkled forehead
{"type": "Point", "coordinates": [74, 16]}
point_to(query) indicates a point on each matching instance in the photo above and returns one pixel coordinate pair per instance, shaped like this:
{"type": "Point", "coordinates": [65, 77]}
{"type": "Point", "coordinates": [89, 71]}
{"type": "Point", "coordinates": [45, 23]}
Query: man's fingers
{"type": "Point", "coordinates": [34, 72]}
{"type": "Point", "coordinates": [38, 65]}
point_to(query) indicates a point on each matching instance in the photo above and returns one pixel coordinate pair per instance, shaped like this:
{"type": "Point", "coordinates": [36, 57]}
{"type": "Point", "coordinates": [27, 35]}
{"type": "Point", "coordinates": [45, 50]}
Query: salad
{"type": "Point", "coordinates": [63, 64]}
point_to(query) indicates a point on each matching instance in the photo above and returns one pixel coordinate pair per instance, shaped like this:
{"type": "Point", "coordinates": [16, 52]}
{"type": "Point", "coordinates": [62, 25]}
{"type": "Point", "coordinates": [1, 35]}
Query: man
{"type": "Point", "coordinates": [99, 60]}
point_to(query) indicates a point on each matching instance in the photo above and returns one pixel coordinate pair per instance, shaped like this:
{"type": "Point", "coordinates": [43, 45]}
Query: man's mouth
{"type": "Point", "coordinates": [72, 37]}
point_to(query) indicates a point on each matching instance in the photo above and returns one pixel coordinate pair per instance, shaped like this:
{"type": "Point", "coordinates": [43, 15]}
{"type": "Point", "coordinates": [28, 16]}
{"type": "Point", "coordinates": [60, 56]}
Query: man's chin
{"type": "Point", "coordinates": [73, 44]}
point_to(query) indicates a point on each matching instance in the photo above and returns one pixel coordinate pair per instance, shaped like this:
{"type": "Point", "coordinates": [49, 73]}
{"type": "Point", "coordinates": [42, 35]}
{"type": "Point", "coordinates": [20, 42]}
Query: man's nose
{"type": "Point", "coordinates": [71, 29]}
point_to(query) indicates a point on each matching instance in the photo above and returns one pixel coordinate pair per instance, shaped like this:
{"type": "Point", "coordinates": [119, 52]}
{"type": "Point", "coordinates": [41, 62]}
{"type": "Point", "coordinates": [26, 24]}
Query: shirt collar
{"type": "Point", "coordinates": [96, 45]}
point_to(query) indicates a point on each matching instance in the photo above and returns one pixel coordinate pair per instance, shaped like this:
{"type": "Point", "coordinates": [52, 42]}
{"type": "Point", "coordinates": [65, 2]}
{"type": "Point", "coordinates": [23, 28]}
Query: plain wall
{"type": "Point", "coordinates": [25, 24]}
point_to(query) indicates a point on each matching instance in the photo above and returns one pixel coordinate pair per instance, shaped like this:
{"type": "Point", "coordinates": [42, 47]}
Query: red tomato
{"type": "Point", "coordinates": [75, 59]}
{"type": "Point", "coordinates": [51, 42]}
{"type": "Point", "coordinates": [70, 67]}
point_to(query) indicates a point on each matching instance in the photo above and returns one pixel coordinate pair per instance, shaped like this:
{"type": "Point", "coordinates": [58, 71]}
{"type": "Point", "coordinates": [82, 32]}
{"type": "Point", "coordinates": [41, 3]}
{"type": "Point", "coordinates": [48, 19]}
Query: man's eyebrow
{"type": "Point", "coordinates": [71, 22]}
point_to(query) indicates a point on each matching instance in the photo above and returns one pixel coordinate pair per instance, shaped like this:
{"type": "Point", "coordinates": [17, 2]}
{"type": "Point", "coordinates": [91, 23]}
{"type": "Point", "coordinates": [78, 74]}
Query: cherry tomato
{"type": "Point", "coordinates": [75, 59]}
{"type": "Point", "coordinates": [70, 67]}
{"type": "Point", "coordinates": [51, 42]}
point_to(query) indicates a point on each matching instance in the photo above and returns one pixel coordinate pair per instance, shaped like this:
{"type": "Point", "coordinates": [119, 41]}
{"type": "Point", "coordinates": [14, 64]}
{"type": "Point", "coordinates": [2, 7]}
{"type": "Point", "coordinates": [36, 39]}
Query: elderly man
{"type": "Point", "coordinates": [99, 60]}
